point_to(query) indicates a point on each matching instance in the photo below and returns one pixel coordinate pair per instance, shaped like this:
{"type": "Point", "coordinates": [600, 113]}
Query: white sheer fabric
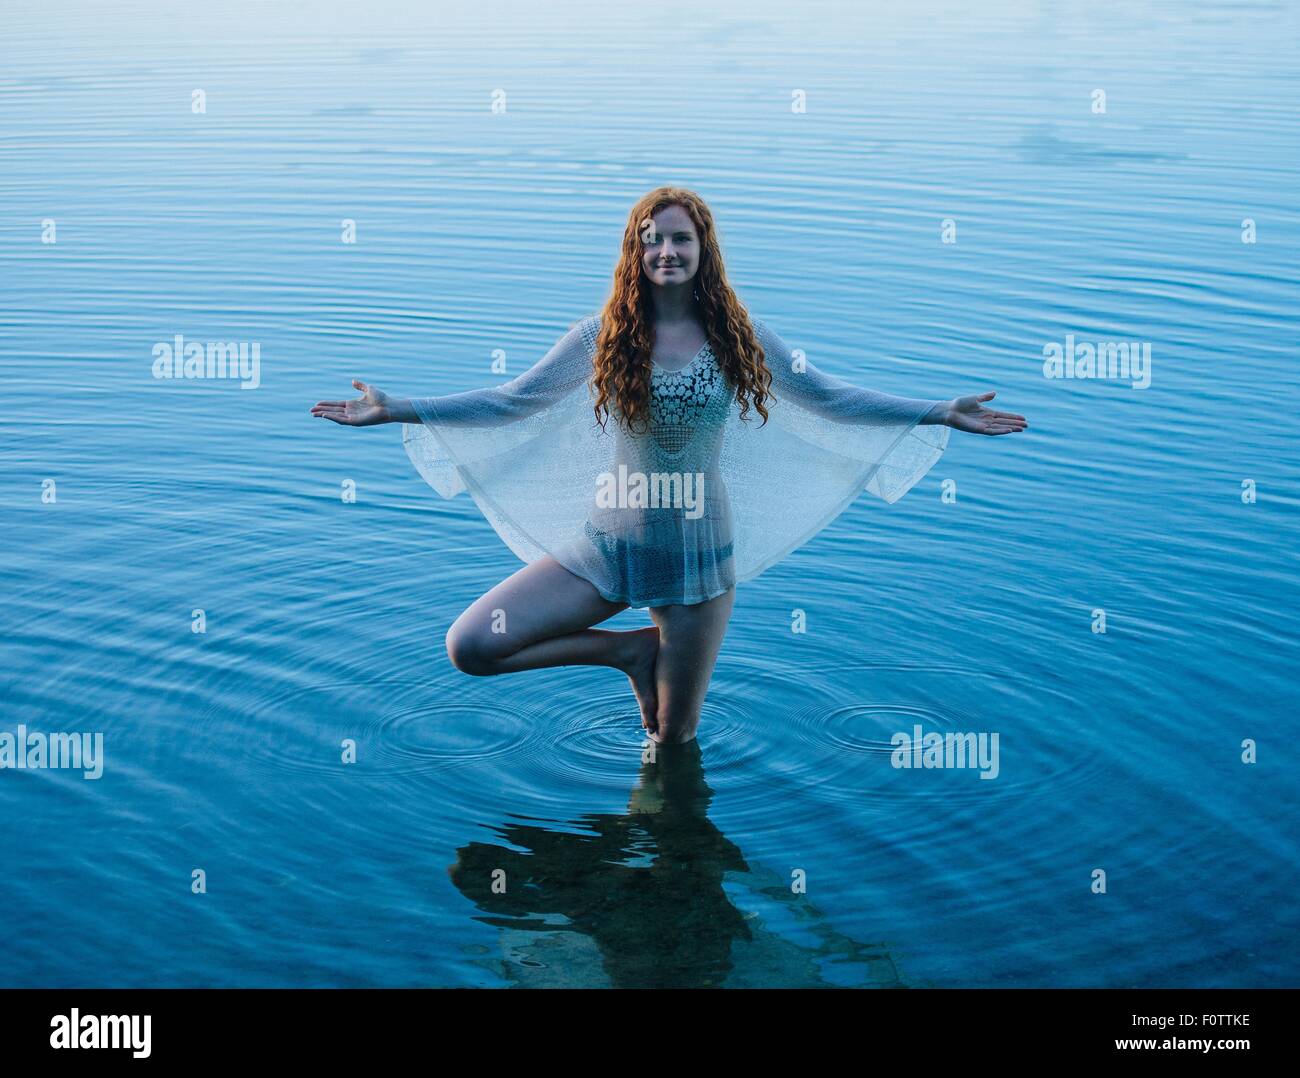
{"type": "Point", "coordinates": [733, 498]}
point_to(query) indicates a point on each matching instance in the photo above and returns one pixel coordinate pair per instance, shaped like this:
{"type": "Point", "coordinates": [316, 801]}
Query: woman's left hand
{"type": "Point", "coordinates": [970, 415]}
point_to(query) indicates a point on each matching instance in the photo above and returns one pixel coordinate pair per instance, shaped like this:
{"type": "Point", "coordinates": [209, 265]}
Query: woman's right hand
{"type": "Point", "coordinates": [370, 408]}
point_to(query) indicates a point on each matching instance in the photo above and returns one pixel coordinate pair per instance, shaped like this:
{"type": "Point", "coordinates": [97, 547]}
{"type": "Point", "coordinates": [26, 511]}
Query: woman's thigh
{"type": "Point", "coordinates": [541, 600]}
{"type": "Point", "coordinates": [689, 640]}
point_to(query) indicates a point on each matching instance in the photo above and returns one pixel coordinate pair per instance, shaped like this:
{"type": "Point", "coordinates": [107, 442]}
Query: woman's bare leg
{"type": "Point", "coordinates": [689, 640]}
{"type": "Point", "coordinates": [540, 617]}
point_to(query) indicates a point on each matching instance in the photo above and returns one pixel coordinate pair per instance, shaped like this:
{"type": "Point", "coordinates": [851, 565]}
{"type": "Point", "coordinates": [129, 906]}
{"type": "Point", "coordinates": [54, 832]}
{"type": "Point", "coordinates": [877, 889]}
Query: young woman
{"type": "Point", "coordinates": [627, 469]}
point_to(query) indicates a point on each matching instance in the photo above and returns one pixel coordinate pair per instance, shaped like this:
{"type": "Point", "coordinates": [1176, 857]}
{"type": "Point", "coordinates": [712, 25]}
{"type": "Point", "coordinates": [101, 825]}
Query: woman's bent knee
{"type": "Point", "coordinates": [470, 652]}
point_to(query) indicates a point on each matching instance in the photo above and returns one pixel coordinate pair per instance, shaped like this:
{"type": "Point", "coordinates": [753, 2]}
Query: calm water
{"type": "Point", "coordinates": [479, 231]}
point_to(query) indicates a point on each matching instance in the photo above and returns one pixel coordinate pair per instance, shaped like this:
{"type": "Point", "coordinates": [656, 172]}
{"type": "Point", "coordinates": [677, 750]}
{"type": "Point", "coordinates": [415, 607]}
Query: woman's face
{"type": "Point", "coordinates": [670, 252]}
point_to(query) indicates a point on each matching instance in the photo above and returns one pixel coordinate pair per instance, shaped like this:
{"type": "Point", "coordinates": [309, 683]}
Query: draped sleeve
{"type": "Point", "coordinates": [524, 450]}
{"type": "Point", "coordinates": [825, 442]}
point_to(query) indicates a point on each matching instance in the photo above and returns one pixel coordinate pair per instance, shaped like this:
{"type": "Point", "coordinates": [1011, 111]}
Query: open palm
{"type": "Point", "coordinates": [969, 414]}
{"type": "Point", "coordinates": [365, 411]}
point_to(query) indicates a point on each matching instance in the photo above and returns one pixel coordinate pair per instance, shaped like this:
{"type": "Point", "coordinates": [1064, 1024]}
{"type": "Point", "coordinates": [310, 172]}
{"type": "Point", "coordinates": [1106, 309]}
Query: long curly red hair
{"type": "Point", "coordinates": [620, 379]}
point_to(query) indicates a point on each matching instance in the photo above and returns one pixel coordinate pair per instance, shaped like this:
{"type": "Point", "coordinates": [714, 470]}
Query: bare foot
{"type": "Point", "coordinates": [643, 651]}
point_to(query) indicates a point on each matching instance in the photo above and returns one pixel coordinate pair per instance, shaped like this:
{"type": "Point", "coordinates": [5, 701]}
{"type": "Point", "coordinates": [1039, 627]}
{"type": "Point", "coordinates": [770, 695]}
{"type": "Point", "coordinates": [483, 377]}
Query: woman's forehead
{"type": "Point", "coordinates": [673, 217]}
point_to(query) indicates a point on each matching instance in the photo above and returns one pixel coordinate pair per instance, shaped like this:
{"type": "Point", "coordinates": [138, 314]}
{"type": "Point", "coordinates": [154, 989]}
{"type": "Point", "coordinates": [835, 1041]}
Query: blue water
{"type": "Point", "coordinates": [476, 231]}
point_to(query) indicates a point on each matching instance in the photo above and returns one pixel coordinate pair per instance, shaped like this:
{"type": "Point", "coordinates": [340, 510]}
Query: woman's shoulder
{"type": "Point", "coordinates": [588, 328]}
{"type": "Point", "coordinates": [766, 336]}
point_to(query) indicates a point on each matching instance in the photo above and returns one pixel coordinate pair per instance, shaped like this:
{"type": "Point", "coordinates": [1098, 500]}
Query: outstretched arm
{"type": "Point", "coordinates": [842, 402]}
{"type": "Point", "coordinates": [566, 366]}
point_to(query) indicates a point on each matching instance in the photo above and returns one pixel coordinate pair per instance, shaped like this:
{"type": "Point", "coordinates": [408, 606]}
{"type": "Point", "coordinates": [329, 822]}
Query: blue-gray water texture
{"type": "Point", "coordinates": [923, 197]}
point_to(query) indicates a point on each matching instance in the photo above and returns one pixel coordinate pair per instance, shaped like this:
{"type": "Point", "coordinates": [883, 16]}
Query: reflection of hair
{"type": "Point", "coordinates": [622, 368]}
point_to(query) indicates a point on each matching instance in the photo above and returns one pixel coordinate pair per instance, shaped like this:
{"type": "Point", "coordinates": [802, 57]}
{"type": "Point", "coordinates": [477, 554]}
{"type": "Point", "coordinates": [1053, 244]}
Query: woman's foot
{"type": "Point", "coordinates": [642, 651]}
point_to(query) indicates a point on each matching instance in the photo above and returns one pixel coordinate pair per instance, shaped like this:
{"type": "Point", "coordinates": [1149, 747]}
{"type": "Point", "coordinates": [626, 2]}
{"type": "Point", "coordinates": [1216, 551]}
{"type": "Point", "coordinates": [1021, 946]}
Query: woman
{"type": "Point", "coordinates": [626, 468]}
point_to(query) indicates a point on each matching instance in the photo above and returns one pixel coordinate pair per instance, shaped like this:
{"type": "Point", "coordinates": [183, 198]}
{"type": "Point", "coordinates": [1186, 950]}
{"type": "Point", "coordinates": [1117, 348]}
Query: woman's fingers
{"type": "Point", "coordinates": [321, 407]}
{"type": "Point", "coordinates": [1005, 419]}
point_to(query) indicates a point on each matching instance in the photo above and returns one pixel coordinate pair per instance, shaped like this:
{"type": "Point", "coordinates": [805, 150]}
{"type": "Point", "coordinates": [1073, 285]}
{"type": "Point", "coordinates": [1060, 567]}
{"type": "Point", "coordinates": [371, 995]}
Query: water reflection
{"type": "Point", "coordinates": [655, 897]}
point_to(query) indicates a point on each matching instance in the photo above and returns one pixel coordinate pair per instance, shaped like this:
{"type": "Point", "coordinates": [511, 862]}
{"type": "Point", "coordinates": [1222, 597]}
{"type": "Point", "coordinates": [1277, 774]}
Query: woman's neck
{"type": "Point", "coordinates": [674, 302]}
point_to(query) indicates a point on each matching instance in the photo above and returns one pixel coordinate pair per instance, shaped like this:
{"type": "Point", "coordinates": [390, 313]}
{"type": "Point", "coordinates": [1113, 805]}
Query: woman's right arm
{"type": "Point", "coordinates": [564, 367]}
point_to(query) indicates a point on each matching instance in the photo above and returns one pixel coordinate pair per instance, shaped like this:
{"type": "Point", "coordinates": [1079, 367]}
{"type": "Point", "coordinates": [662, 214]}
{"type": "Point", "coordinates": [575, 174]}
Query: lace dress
{"type": "Point", "coordinates": [684, 510]}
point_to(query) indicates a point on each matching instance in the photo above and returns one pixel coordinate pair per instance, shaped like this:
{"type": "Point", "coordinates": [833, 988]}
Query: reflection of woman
{"type": "Point", "coordinates": [667, 899]}
{"type": "Point", "coordinates": [645, 886]}
{"type": "Point", "coordinates": [711, 497]}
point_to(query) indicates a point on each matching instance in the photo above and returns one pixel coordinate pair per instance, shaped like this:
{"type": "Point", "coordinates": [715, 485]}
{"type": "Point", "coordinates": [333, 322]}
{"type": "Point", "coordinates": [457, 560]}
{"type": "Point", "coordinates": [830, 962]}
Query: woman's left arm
{"type": "Point", "coordinates": [839, 401]}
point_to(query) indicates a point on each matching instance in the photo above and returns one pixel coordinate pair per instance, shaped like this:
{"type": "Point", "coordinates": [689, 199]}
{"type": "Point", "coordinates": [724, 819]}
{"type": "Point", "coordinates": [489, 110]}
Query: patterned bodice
{"type": "Point", "coordinates": [684, 402]}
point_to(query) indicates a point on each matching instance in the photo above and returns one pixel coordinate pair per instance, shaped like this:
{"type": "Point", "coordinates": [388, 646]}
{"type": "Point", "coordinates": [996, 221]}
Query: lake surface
{"type": "Point", "coordinates": [478, 230]}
